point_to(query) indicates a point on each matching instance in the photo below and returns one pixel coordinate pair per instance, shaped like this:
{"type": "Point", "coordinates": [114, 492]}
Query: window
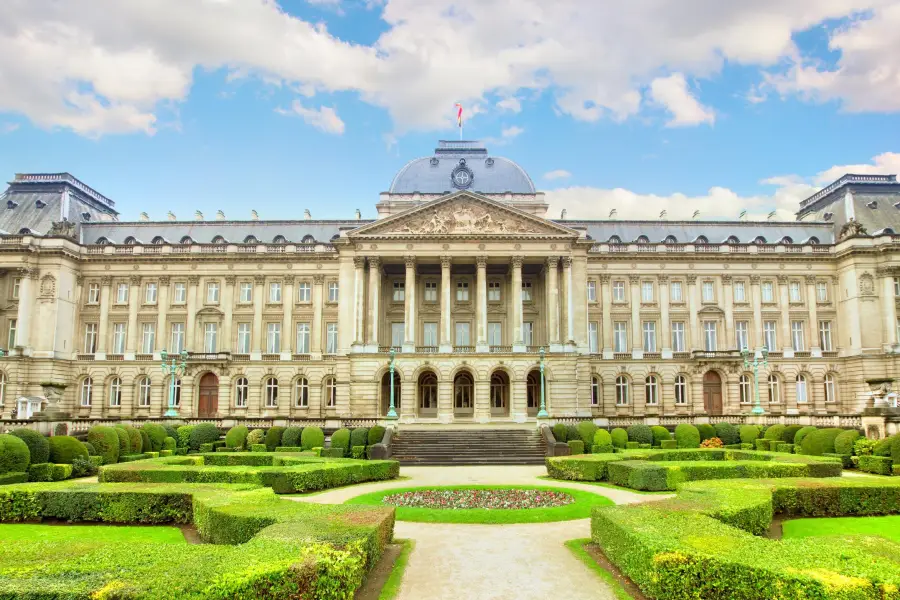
{"type": "Point", "coordinates": [399, 294]}
{"type": "Point", "coordinates": [93, 293]}
{"type": "Point", "coordinates": [275, 292]}
{"type": "Point", "coordinates": [462, 334]}
{"type": "Point", "coordinates": [90, 338]}
{"type": "Point", "coordinates": [241, 392]}
{"type": "Point", "coordinates": [675, 292]}
{"type": "Point", "coordinates": [210, 335]}
{"type": "Point", "coordinates": [897, 286]}
{"type": "Point", "coordinates": [431, 291]}
{"type": "Point", "coordinates": [304, 292]}
{"type": "Point", "coordinates": [651, 390]}
{"type": "Point", "coordinates": [794, 292]}
{"type": "Point", "coordinates": [742, 334]}
{"type": "Point", "coordinates": [144, 392]}
{"type": "Point", "coordinates": [87, 389]}
{"type": "Point", "coordinates": [176, 393]}
{"type": "Point", "coordinates": [332, 291]}
{"type": "Point", "coordinates": [301, 392]}
{"type": "Point", "coordinates": [646, 291]}
{"type": "Point", "coordinates": [180, 296]}
{"type": "Point", "coordinates": [801, 389]}
{"type": "Point", "coordinates": [678, 344]}
{"type": "Point", "coordinates": [273, 338]}
{"type": "Point", "coordinates": [592, 291]}
{"type": "Point", "coordinates": [331, 338]}
{"type": "Point", "coordinates": [797, 335]}
{"type": "Point", "coordinates": [829, 388]}
{"type": "Point", "coordinates": [118, 338]}
{"type": "Point", "coordinates": [122, 293]}
{"type": "Point", "coordinates": [115, 392]}
{"type": "Point", "coordinates": [594, 337]}
{"type": "Point", "coordinates": [708, 291]}
{"type": "Point", "coordinates": [528, 333]}
{"type": "Point", "coordinates": [709, 336]}
{"type": "Point", "coordinates": [398, 332]}
{"type": "Point", "coordinates": [769, 337]}
{"type": "Point", "coordinates": [462, 291]}
{"type": "Point", "coordinates": [330, 392]}
{"type": "Point", "coordinates": [649, 336]}
{"type": "Point", "coordinates": [822, 292]}
{"type": "Point", "coordinates": [303, 336]}
{"type": "Point", "coordinates": [150, 293]}
{"type": "Point", "coordinates": [621, 390]}
{"type": "Point", "coordinates": [526, 291]}
{"type": "Point", "coordinates": [494, 334]}
{"type": "Point", "coordinates": [271, 392]}
{"type": "Point", "coordinates": [595, 391]}
{"type": "Point", "coordinates": [177, 338]}
{"type": "Point", "coordinates": [768, 292]}
{"type": "Point", "coordinates": [825, 336]}
{"type": "Point", "coordinates": [212, 292]}
{"type": "Point", "coordinates": [246, 292]}
{"type": "Point", "coordinates": [148, 337]}
{"type": "Point", "coordinates": [243, 338]}
{"type": "Point", "coordinates": [745, 389]}
{"type": "Point", "coordinates": [680, 389]}
{"type": "Point", "coordinates": [16, 286]}
{"type": "Point", "coordinates": [11, 334]}
{"type": "Point", "coordinates": [430, 334]}
{"type": "Point", "coordinates": [620, 336]}
{"type": "Point", "coordinates": [774, 391]}
{"type": "Point", "coordinates": [618, 290]}
{"type": "Point", "coordinates": [739, 292]}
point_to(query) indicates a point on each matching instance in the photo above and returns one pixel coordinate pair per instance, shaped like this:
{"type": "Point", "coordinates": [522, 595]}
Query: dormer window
{"type": "Point", "coordinates": [279, 239]}
{"type": "Point", "coordinates": [251, 240]}
{"type": "Point", "coordinates": [130, 241]}
{"type": "Point", "coordinates": [102, 241]}
{"type": "Point", "coordinates": [701, 240]}
{"type": "Point", "coordinates": [308, 239]}
{"type": "Point", "coordinates": [827, 216]}
{"type": "Point", "coordinates": [11, 204]}
{"type": "Point", "coordinates": [787, 240]}
{"type": "Point", "coordinates": [86, 216]}
{"type": "Point", "coordinates": [671, 239]}
{"type": "Point", "coordinates": [872, 204]}
{"type": "Point", "coordinates": [732, 239]}
{"type": "Point", "coordinates": [187, 240]}
{"type": "Point", "coordinates": [615, 240]}
{"type": "Point", "coordinates": [643, 240]}
{"type": "Point", "coordinates": [218, 240]}
{"type": "Point", "coordinates": [39, 203]}
{"type": "Point", "coordinates": [158, 240]}
{"type": "Point", "coordinates": [759, 240]}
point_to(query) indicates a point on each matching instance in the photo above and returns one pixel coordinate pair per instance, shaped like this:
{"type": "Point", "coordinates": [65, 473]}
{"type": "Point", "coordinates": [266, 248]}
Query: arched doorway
{"type": "Point", "coordinates": [463, 395]}
{"type": "Point", "coordinates": [499, 394]}
{"type": "Point", "coordinates": [208, 402]}
{"type": "Point", "coordinates": [428, 394]}
{"type": "Point", "coordinates": [712, 393]}
{"type": "Point", "coordinates": [386, 392]}
{"type": "Point", "coordinates": [533, 392]}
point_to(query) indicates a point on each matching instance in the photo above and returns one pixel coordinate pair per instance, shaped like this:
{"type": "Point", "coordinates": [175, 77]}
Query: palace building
{"type": "Point", "coordinates": [471, 287]}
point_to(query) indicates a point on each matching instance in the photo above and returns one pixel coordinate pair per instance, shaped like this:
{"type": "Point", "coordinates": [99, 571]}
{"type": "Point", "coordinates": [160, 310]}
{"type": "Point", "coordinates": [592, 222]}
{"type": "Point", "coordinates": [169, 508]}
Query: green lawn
{"type": "Point", "coordinates": [888, 527]}
{"type": "Point", "coordinates": [580, 509]}
{"type": "Point", "coordinates": [76, 533]}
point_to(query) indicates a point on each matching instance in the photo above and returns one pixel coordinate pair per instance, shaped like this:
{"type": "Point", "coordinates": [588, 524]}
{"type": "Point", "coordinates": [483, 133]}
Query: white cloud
{"type": "Point", "coordinates": [511, 132]}
{"type": "Point", "coordinates": [672, 93]}
{"type": "Point", "coordinates": [557, 174]}
{"type": "Point", "coordinates": [324, 118]}
{"type": "Point", "coordinates": [511, 104]}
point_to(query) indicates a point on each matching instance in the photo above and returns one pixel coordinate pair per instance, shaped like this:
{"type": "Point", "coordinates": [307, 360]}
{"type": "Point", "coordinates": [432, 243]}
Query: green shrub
{"type": "Point", "coordinates": [146, 445]}
{"type": "Point", "coordinates": [619, 437]}
{"type": "Point", "coordinates": [258, 448]}
{"type": "Point", "coordinates": [38, 445]}
{"type": "Point", "coordinates": [669, 445]}
{"type": "Point", "coordinates": [204, 448]}
{"type": "Point", "coordinates": [642, 434]}
{"type": "Point", "coordinates": [359, 437]}
{"type": "Point", "coordinates": [789, 433]}
{"type": "Point", "coordinates": [895, 450]}
{"type": "Point", "coordinates": [748, 433]}
{"type": "Point", "coordinates": [256, 436]}
{"type": "Point", "coordinates": [687, 436]}
{"type": "Point", "coordinates": [376, 434]}
{"type": "Point", "coordinates": [287, 449]}
{"type": "Point", "coordinates": [602, 442]}
{"type": "Point", "coordinates": [183, 436]}
{"type": "Point", "coordinates": [40, 472]}
{"type": "Point", "coordinates": [774, 432]}
{"type": "Point", "coordinates": [124, 440]}
{"type": "Point", "coordinates": [156, 433]}
{"type": "Point", "coordinates": [135, 439]}
{"type": "Point", "coordinates": [632, 445]}
{"type": "Point", "coordinates": [359, 452]}
{"type": "Point", "coordinates": [203, 433]}
{"type": "Point", "coordinates": [660, 434]}
{"type": "Point", "coordinates": [560, 433]}
{"type": "Point", "coordinates": [332, 453]}
{"type": "Point", "coordinates": [572, 432]}
{"type": "Point", "coordinates": [576, 447]}
{"type": "Point", "coordinates": [586, 431]}
{"type": "Point", "coordinates": [106, 441]}
{"type": "Point", "coordinates": [169, 444]}
{"type": "Point", "coordinates": [7, 478]}
{"type": "Point", "coordinates": [762, 444]}
{"type": "Point", "coordinates": [707, 431]}
{"type": "Point", "coordinates": [728, 433]}
{"type": "Point", "coordinates": [89, 447]}
{"type": "Point", "coordinates": [820, 441]}
{"type": "Point", "coordinates": [783, 447]}
{"type": "Point", "coordinates": [273, 437]}
{"type": "Point", "coordinates": [883, 447]}
{"type": "Point", "coordinates": [846, 459]}
{"type": "Point", "coordinates": [236, 437]}
{"type": "Point", "coordinates": [64, 449]}
{"type": "Point", "coordinates": [312, 437]}
{"type": "Point", "coordinates": [802, 433]}
{"type": "Point", "coordinates": [14, 455]}
{"type": "Point", "coordinates": [843, 443]}
{"type": "Point", "coordinates": [879, 465]}
{"type": "Point", "coordinates": [341, 439]}
{"type": "Point", "coordinates": [171, 431]}
{"type": "Point", "coordinates": [291, 436]}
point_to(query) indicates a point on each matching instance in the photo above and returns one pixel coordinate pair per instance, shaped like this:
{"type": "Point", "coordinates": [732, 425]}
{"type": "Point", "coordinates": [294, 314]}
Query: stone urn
{"type": "Point", "coordinates": [879, 389]}
{"type": "Point", "coordinates": [52, 410]}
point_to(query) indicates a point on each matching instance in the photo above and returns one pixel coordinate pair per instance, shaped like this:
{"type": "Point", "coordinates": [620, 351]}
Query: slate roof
{"type": "Point", "coordinates": [34, 202]}
{"type": "Point", "coordinates": [715, 232]}
{"type": "Point", "coordinates": [204, 232]}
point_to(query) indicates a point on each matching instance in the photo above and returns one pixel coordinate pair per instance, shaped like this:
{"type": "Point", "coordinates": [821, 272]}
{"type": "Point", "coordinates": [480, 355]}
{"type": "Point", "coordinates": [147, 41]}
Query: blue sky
{"type": "Point", "coordinates": [247, 104]}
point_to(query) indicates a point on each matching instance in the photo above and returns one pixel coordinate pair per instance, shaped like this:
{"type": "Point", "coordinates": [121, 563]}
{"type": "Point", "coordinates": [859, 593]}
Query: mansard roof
{"type": "Point", "coordinates": [715, 232]}
{"type": "Point", "coordinates": [205, 232]}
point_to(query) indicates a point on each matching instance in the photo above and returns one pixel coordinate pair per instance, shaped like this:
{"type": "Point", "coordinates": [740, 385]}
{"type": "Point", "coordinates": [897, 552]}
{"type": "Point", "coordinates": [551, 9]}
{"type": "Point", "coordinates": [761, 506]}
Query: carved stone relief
{"type": "Point", "coordinates": [461, 218]}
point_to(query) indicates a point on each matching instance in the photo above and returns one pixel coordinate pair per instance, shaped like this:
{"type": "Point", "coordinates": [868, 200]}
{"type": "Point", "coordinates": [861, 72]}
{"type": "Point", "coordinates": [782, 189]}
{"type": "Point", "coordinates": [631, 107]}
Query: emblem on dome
{"type": "Point", "coordinates": [461, 177]}
{"type": "Point", "coordinates": [434, 161]}
{"type": "Point", "coordinates": [489, 162]}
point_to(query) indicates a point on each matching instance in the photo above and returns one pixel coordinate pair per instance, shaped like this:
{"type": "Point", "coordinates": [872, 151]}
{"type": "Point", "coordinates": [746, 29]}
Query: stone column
{"type": "Point", "coordinates": [359, 302]}
{"type": "Point", "coordinates": [134, 300]}
{"type": "Point", "coordinates": [446, 341]}
{"type": "Point", "coordinates": [784, 302]}
{"type": "Point", "coordinates": [570, 302]}
{"type": "Point", "coordinates": [26, 307]}
{"type": "Point", "coordinates": [190, 334]}
{"type": "Point", "coordinates": [694, 342]}
{"type": "Point", "coordinates": [287, 321]}
{"type": "Point", "coordinates": [553, 303]}
{"type": "Point", "coordinates": [317, 324]}
{"type": "Point", "coordinates": [813, 333]}
{"type": "Point", "coordinates": [374, 302]}
{"type": "Point", "coordinates": [409, 342]}
{"type": "Point", "coordinates": [481, 341]}
{"type": "Point", "coordinates": [758, 340]}
{"type": "Point", "coordinates": [889, 310]}
{"type": "Point", "coordinates": [665, 334]}
{"type": "Point", "coordinates": [103, 329]}
{"type": "Point", "coordinates": [162, 301]}
{"type": "Point", "coordinates": [225, 342]}
{"type": "Point", "coordinates": [606, 307]}
{"type": "Point", "coordinates": [634, 288]}
{"type": "Point", "coordinates": [730, 328]}
{"type": "Point", "coordinates": [516, 316]}
{"type": "Point", "coordinates": [257, 335]}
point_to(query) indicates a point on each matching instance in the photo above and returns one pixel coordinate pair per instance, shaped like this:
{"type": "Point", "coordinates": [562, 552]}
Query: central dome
{"type": "Point", "coordinates": [461, 166]}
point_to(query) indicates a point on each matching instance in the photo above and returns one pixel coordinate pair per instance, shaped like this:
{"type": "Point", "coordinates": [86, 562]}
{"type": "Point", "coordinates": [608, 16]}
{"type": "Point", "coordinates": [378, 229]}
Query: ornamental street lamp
{"type": "Point", "coordinates": [542, 413]}
{"type": "Point", "coordinates": [755, 364]}
{"type": "Point", "coordinates": [392, 411]}
{"type": "Point", "coordinates": [174, 368]}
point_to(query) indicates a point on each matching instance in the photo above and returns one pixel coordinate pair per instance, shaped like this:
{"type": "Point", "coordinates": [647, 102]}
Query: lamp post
{"type": "Point", "coordinates": [542, 413]}
{"type": "Point", "coordinates": [173, 368]}
{"type": "Point", "coordinates": [392, 411]}
{"type": "Point", "coordinates": [755, 364]}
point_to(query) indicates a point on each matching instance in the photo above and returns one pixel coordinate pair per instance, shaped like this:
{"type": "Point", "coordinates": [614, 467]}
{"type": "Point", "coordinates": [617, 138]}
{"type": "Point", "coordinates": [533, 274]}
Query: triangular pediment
{"type": "Point", "coordinates": [463, 214]}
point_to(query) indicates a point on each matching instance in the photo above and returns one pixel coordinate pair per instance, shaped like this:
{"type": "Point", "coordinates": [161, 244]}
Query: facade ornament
{"type": "Point", "coordinates": [481, 262]}
{"type": "Point", "coordinates": [446, 262]}
{"type": "Point", "coordinates": [318, 279]}
{"type": "Point", "coordinates": [230, 279]}
{"type": "Point", "coordinates": [459, 217]}
{"type": "Point", "coordinates": [374, 262]}
{"type": "Point", "coordinates": [410, 261]}
{"type": "Point", "coordinates": [852, 229]}
{"type": "Point", "coordinates": [517, 261]}
{"type": "Point", "coordinates": [79, 280]}
{"type": "Point", "coordinates": [62, 229]}
{"type": "Point", "coordinates": [359, 262]}
{"type": "Point", "coordinates": [259, 279]}
{"type": "Point", "coordinates": [567, 262]}
{"type": "Point", "coordinates": [164, 280]}
{"type": "Point", "coordinates": [866, 284]}
{"type": "Point", "coordinates": [552, 262]}
{"type": "Point", "coordinates": [634, 279]}
{"type": "Point", "coordinates": [106, 280]}
{"type": "Point", "coordinates": [604, 278]}
{"type": "Point", "coordinates": [726, 279]}
{"type": "Point", "coordinates": [691, 279]}
{"type": "Point", "coordinates": [48, 286]}
{"type": "Point", "coordinates": [663, 279]}
{"type": "Point", "coordinates": [135, 279]}
{"type": "Point", "coordinates": [810, 280]}
{"type": "Point", "coordinates": [754, 279]}
{"type": "Point", "coordinates": [194, 279]}
{"type": "Point", "coordinates": [782, 279]}
{"type": "Point", "coordinates": [835, 279]}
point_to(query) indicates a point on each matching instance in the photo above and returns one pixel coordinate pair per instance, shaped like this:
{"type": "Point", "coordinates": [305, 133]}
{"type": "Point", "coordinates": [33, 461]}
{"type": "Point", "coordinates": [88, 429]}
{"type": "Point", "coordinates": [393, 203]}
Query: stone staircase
{"type": "Point", "coordinates": [468, 447]}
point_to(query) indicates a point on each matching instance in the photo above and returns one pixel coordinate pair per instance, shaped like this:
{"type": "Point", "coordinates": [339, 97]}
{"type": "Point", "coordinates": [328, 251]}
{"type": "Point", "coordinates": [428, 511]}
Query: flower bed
{"type": "Point", "coordinates": [491, 499]}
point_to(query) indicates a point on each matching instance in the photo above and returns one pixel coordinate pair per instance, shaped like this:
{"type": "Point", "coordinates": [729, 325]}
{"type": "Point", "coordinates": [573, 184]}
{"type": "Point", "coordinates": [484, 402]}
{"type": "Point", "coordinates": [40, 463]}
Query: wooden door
{"type": "Point", "coordinates": [208, 402]}
{"type": "Point", "coordinates": [712, 393]}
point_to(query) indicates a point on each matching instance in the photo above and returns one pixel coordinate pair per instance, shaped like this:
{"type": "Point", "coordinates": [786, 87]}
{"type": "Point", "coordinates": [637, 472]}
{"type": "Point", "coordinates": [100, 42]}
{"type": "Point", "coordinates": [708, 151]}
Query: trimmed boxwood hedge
{"type": "Point", "coordinates": [106, 441]}
{"type": "Point", "coordinates": [256, 436]}
{"type": "Point", "coordinates": [802, 433]}
{"type": "Point", "coordinates": [65, 449]}
{"type": "Point", "coordinates": [312, 437]}
{"type": "Point", "coordinates": [38, 445]}
{"type": "Point", "coordinates": [135, 439]}
{"type": "Point", "coordinates": [707, 431]}
{"type": "Point", "coordinates": [560, 433]}
{"type": "Point", "coordinates": [49, 472]}
{"type": "Point", "coordinates": [602, 442]}
{"type": "Point", "coordinates": [576, 447]}
{"type": "Point", "coordinates": [291, 436]}
{"type": "Point", "coordinates": [879, 465]}
{"type": "Point", "coordinates": [359, 437]}
{"type": "Point", "coordinates": [124, 440]}
{"type": "Point", "coordinates": [687, 436]}
{"type": "Point", "coordinates": [619, 437]}
{"type": "Point", "coordinates": [237, 437]}
{"type": "Point", "coordinates": [157, 434]}
{"type": "Point", "coordinates": [274, 436]}
{"type": "Point", "coordinates": [728, 433]}
{"type": "Point", "coordinates": [202, 433]}
{"type": "Point", "coordinates": [14, 455]}
{"type": "Point", "coordinates": [572, 432]}
{"type": "Point", "coordinates": [748, 433]}
{"type": "Point", "coordinates": [332, 453]}
{"type": "Point", "coordinates": [87, 446]}
{"type": "Point", "coordinates": [642, 434]}
{"type": "Point", "coordinates": [820, 441]}
{"type": "Point", "coordinates": [341, 439]}
{"type": "Point", "coordinates": [843, 443]}
{"type": "Point", "coordinates": [586, 431]}
{"type": "Point", "coordinates": [169, 444]}
{"type": "Point", "coordinates": [774, 432]}
{"type": "Point", "coordinates": [660, 434]}
{"type": "Point", "coordinates": [183, 436]}
{"type": "Point", "coordinates": [376, 435]}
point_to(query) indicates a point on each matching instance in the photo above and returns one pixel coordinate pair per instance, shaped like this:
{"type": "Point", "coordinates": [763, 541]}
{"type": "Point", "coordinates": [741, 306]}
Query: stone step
{"type": "Point", "coordinates": [469, 447]}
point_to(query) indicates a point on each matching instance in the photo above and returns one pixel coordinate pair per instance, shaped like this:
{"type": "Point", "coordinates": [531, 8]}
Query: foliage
{"type": "Point", "coordinates": [576, 447]}
{"type": "Point", "coordinates": [332, 453]}
{"type": "Point", "coordinates": [748, 433]}
{"type": "Point", "coordinates": [560, 433]}
{"type": "Point", "coordinates": [669, 445]}
{"type": "Point", "coordinates": [820, 441]}
{"type": "Point", "coordinates": [171, 431]}
{"type": "Point", "coordinates": [895, 450]}
{"type": "Point", "coordinates": [706, 431]}
{"type": "Point", "coordinates": [359, 437]}
{"type": "Point", "coordinates": [879, 465]}
{"type": "Point", "coordinates": [203, 433]}
{"type": "Point", "coordinates": [291, 436]}
{"type": "Point", "coordinates": [843, 443]}
{"type": "Point", "coordinates": [572, 432]}
{"type": "Point", "coordinates": [146, 445]}
{"type": "Point", "coordinates": [883, 447]}
{"type": "Point", "coordinates": [156, 433]}
{"type": "Point", "coordinates": [888, 527]}
{"type": "Point", "coordinates": [65, 449]}
{"type": "Point", "coordinates": [256, 436]}
{"type": "Point", "coordinates": [183, 436]}
{"type": "Point", "coordinates": [341, 439]}
{"type": "Point", "coordinates": [88, 467]}
{"type": "Point", "coordinates": [687, 436]}
{"type": "Point", "coordinates": [602, 442]}
{"type": "Point", "coordinates": [38, 445]}
{"type": "Point", "coordinates": [258, 448]}
{"type": "Point", "coordinates": [802, 433]}
{"type": "Point", "coordinates": [312, 437]}
{"type": "Point", "coordinates": [642, 434]}
{"type": "Point", "coordinates": [236, 437]}
{"type": "Point", "coordinates": [358, 452]}
{"type": "Point", "coordinates": [376, 434]}
{"type": "Point", "coordinates": [790, 431]}
{"type": "Point", "coordinates": [14, 455]}
{"type": "Point", "coordinates": [864, 446]}
{"type": "Point", "coordinates": [273, 437]}
{"type": "Point", "coordinates": [106, 441]}
{"type": "Point", "coordinates": [13, 477]}
{"type": "Point", "coordinates": [124, 440]}
{"type": "Point", "coordinates": [586, 431]}
{"type": "Point", "coordinates": [169, 444]}
{"type": "Point", "coordinates": [87, 446]}
{"type": "Point", "coordinates": [135, 439]}
{"type": "Point", "coordinates": [712, 442]}
{"type": "Point", "coordinates": [49, 471]}
{"type": "Point", "coordinates": [619, 437]}
{"type": "Point", "coordinates": [660, 433]}
{"type": "Point", "coordinates": [774, 432]}
{"type": "Point", "coordinates": [728, 433]}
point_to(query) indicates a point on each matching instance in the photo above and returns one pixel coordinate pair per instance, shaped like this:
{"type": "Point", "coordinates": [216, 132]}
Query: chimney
{"type": "Point", "coordinates": [144, 217]}
{"type": "Point", "coordinates": [198, 216]}
{"type": "Point", "coordinates": [306, 214]}
{"type": "Point", "coordinates": [358, 215]}
{"type": "Point", "coordinates": [254, 215]}
{"type": "Point", "coordinates": [220, 216]}
{"type": "Point", "coordinates": [172, 216]}
{"type": "Point", "coordinates": [562, 215]}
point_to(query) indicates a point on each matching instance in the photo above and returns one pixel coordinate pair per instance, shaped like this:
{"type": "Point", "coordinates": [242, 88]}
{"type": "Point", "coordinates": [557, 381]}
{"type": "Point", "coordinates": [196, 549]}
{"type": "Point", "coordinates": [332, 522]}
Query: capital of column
{"type": "Point", "coordinates": [604, 278]}
{"type": "Point", "coordinates": [726, 279]}
{"type": "Point", "coordinates": [481, 262]}
{"type": "Point", "coordinates": [782, 279]}
{"type": "Point", "coordinates": [29, 272]}
{"type": "Point", "coordinates": [810, 280]}
{"type": "Point", "coordinates": [259, 279]}
{"type": "Point", "coordinates": [194, 279]}
{"type": "Point", "coordinates": [359, 262]}
{"type": "Point", "coordinates": [79, 280]}
{"type": "Point", "coordinates": [410, 261]}
{"type": "Point", "coordinates": [374, 262]}
{"type": "Point", "coordinates": [663, 279]}
{"type": "Point", "coordinates": [106, 280]}
{"type": "Point", "coordinates": [634, 279]}
{"type": "Point", "coordinates": [446, 262]}
{"type": "Point", "coordinates": [230, 279]}
{"type": "Point", "coordinates": [288, 280]}
{"type": "Point", "coordinates": [567, 261]}
{"type": "Point", "coordinates": [517, 261]}
{"type": "Point", "coordinates": [754, 279]}
{"type": "Point", "coordinates": [164, 280]}
{"type": "Point", "coordinates": [318, 279]}
{"type": "Point", "coordinates": [691, 279]}
{"type": "Point", "coordinates": [134, 279]}
{"type": "Point", "coordinates": [552, 262]}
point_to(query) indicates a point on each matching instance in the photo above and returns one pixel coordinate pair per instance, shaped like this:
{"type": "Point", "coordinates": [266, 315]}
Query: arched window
{"type": "Point", "coordinates": [187, 240]}
{"type": "Point", "coordinates": [621, 390]}
{"type": "Point", "coordinates": [759, 240]}
{"type": "Point", "coordinates": [144, 392]}
{"type": "Point", "coordinates": [680, 389]}
{"type": "Point", "coordinates": [787, 240]}
{"type": "Point", "coordinates": [271, 392]}
{"type": "Point", "coordinates": [830, 390]}
{"type": "Point", "coordinates": [158, 240]}
{"type": "Point", "coordinates": [279, 239]}
{"type": "Point", "coordinates": [643, 239]}
{"type": "Point", "coordinates": [330, 392]}
{"type": "Point", "coordinates": [102, 241]}
{"type": "Point", "coordinates": [463, 391]}
{"type": "Point", "coordinates": [87, 391]}
{"type": "Point", "coordinates": [701, 240]}
{"type": "Point", "coordinates": [177, 390]}
{"type": "Point", "coordinates": [251, 239]}
{"type": "Point", "coordinates": [24, 231]}
{"type": "Point", "coordinates": [219, 240]}
{"type": "Point", "coordinates": [595, 391]}
{"type": "Point", "coordinates": [802, 397]}
{"type": "Point", "coordinates": [115, 392]}
{"type": "Point", "coordinates": [308, 239]}
{"type": "Point", "coordinates": [428, 390]}
{"type": "Point", "coordinates": [746, 390]}
{"type": "Point", "coordinates": [533, 392]}
{"type": "Point", "coordinates": [130, 241]}
{"type": "Point", "coordinates": [301, 392]}
{"type": "Point", "coordinates": [774, 390]}
{"type": "Point", "coordinates": [812, 241]}
{"type": "Point", "coordinates": [241, 392]}
{"type": "Point", "coordinates": [671, 239]}
{"type": "Point", "coordinates": [651, 390]}
{"type": "Point", "coordinates": [732, 239]}
{"type": "Point", "coordinates": [615, 240]}
{"type": "Point", "coordinates": [499, 389]}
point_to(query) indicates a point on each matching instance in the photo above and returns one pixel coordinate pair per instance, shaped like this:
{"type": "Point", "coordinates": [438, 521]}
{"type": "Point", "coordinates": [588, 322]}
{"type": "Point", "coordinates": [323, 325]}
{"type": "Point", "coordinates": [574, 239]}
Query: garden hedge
{"type": "Point", "coordinates": [106, 441]}
{"type": "Point", "coordinates": [312, 437]}
{"type": "Point", "coordinates": [236, 437]}
{"type": "Point", "coordinates": [65, 449]}
{"type": "Point", "coordinates": [802, 433]}
{"type": "Point", "coordinates": [331, 453]}
{"type": "Point", "coordinates": [171, 431]}
{"type": "Point", "coordinates": [560, 433]}
{"type": "Point", "coordinates": [136, 441]}
{"type": "Point", "coordinates": [169, 444]}
{"type": "Point", "coordinates": [843, 443]}
{"type": "Point", "coordinates": [774, 432]}
{"type": "Point", "coordinates": [572, 432]}
{"type": "Point", "coordinates": [748, 433]}
{"type": "Point", "coordinates": [14, 455]}
{"type": "Point", "coordinates": [359, 437]}
{"type": "Point", "coordinates": [146, 445]}
{"type": "Point", "coordinates": [602, 442]}
{"type": "Point", "coordinates": [879, 465]}
{"type": "Point", "coordinates": [586, 431]}
{"type": "Point", "coordinates": [49, 472]}
{"type": "Point", "coordinates": [256, 436]}
{"type": "Point", "coordinates": [358, 452]}
{"type": "Point", "coordinates": [790, 431]}
{"type": "Point", "coordinates": [204, 433]}
{"type": "Point", "coordinates": [642, 434]}
{"type": "Point", "coordinates": [376, 435]}
{"type": "Point", "coordinates": [38, 444]}
{"type": "Point", "coordinates": [255, 447]}
{"type": "Point", "coordinates": [13, 477]}
{"type": "Point", "coordinates": [619, 437]}
{"type": "Point", "coordinates": [687, 436]}
{"type": "Point", "coordinates": [124, 440]}
{"type": "Point", "coordinates": [576, 447]}
{"type": "Point", "coordinates": [895, 450]}
{"type": "Point", "coordinates": [183, 436]}
{"type": "Point", "coordinates": [660, 434]}
{"type": "Point", "coordinates": [87, 446]}
{"type": "Point", "coordinates": [341, 439]}
{"type": "Point", "coordinates": [157, 434]}
{"type": "Point", "coordinates": [728, 433]}
{"type": "Point", "coordinates": [820, 441]}
{"type": "Point", "coordinates": [669, 445]}
{"type": "Point", "coordinates": [707, 431]}
{"type": "Point", "coordinates": [291, 449]}
{"type": "Point", "coordinates": [291, 436]}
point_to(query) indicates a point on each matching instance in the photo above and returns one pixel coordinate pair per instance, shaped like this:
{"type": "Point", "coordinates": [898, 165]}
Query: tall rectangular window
{"type": "Point", "coordinates": [148, 337]}
{"type": "Point", "coordinates": [399, 293]}
{"type": "Point", "coordinates": [739, 292]}
{"type": "Point", "coordinates": [495, 337]}
{"type": "Point", "coordinates": [648, 335]}
{"type": "Point", "coordinates": [528, 333]}
{"type": "Point", "coordinates": [618, 291]}
{"type": "Point", "coordinates": [122, 293]}
{"type": "Point", "coordinates": [768, 292]}
{"type": "Point", "coordinates": [797, 336]}
{"type": "Point", "coordinates": [710, 336]}
{"type": "Point", "coordinates": [493, 291]}
{"type": "Point", "coordinates": [620, 336]}
{"type": "Point", "coordinates": [333, 291]}
{"type": "Point", "coordinates": [180, 295]}
{"type": "Point", "coordinates": [273, 338]}
{"type": "Point", "coordinates": [246, 296]}
{"type": "Point", "coordinates": [430, 334]}
{"type": "Point", "coordinates": [212, 292]}
{"type": "Point", "coordinates": [11, 334]}
{"type": "Point", "coordinates": [462, 291]}
{"type": "Point", "coordinates": [646, 291]}
{"type": "Point", "coordinates": [398, 332]}
{"type": "Point", "coordinates": [708, 291]}
{"type": "Point", "coordinates": [210, 337]}
{"type": "Point", "coordinates": [90, 338]}
{"type": "Point", "coordinates": [177, 338]}
{"type": "Point", "coordinates": [243, 338]}
{"type": "Point", "coordinates": [303, 338]}
{"type": "Point", "coordinates": [742, 334]}
{"type": "Point", "coordinates": [93, 293]}
{"type": "Point", "coordinates": [304, 292]}
{"type": "Point", "coordinates": [526, 291]}
{"type": "Point", "coordinates": [431, 291]}
{"type": "Point", "coordinates": [462, 334]}
{"type": "Point", "coordinates": [769, 336]}
{"type": "Point", "coordinates": [118, 338]}
{"type": "Point", "coordinates": [275, 292]}
{"type": "Point", "coordinates": [150, 293]}
{"type": "Point", "coordinates": [897, 286]}
{"type": "Point", "coordinates": [821, 292]}
{"type": "Point", "coordinates": [594, 337]}
{"type": "Point", "coordinates": [825, 336]}
{"type": "Point", "coordinates": [16, 286]}
{"type": "Point", "coordinates": [592, 290]}
{"type": "Point", "coordinates": [794, 292]}
{"type": "Point", "coordinates": [331, 338]}
{"type": "Point", "coordinates": [676, 293]}
{"type": "Point", "coordinates": [678, 344]}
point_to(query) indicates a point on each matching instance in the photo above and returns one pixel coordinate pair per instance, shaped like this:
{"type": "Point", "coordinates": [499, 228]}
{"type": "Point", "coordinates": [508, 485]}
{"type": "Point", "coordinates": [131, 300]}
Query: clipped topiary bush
{"type": "Point", "coordinates": [572, 433]}
{"type": "Point", "coordinates": [748, 433]}
{"type": "Point", "coordinates": [87, 446]}
{"type": "Point", "coordinates": [642, 434]}
{"type": "Point", "coordinates": [341, 439]}
{"type": "Point", "coordinates": [135, 439]}
{"type": "Point", "coordinates": [602, 442]}
{"type": "Point", "coordinates": [376, 434]}
{"type": "Point", "coordinates": [883, 447]}
{"type": "Point", "coordinates": [660, 434]}
{"type": "Point", "coordinates": [312, 437]}
{"type": "Point", "coordinates": [171, 431]}
{"type": "Point", "coordinates": [560, 433]}
{"type": "Point", "coordinates": [586, 431]}
{"type": "Point", "coordinates": [843, 443]}
{"type": "Point", "coordinates": [182, 436]}
{"type": "Point", "coordinates": [65, 449]}
{"type": "Point", "coordinates": [257, 436]}
{"type": "Point", "coordinates": [291, 437]}
{"type": "Point", "coordinates": [106, 441]}
{"type": "Point", "coordinates": [14, 455]}
{"type": "Point", "coordinates": [236, 437]}
{"type": "Point", "coordinates": [687, 436]}
{"type": "Point", "coordinates": [156, 433]}
{"type": "Point", "coordinates": [895, 451]}
{"type": "Point", "coordinates": [203, 433]}
{"type": "Point", "coordinates": [38, 445]}
{"type": "Point", "coordinates": [774, 432]}
{"type": "Point", "coordinates": [273, 437]}
{"type": "Point", "coordinates": [146, 446]}
{"type": "Point", "coordinates": [728, 433]}
{"type": "Point", "coordinates": [820, 441]}
{"type": "Point", "coordinates": [707, 431]}
{"type": "Point", "coordinates": [169, 444]}
{"type": "Point", "coordinates": [619, 437]}
{"type": "Point", "coordinates": [124, 441]}
{"type": "Point", "coordinates": [787, 436]}
{"type": "Point", "coordinates": [576, 447]}
{"type": "Point", "coordinates": [359, 437]}
{"type": "Point", "coordinates": [802, 433]}
{"type": "Point", "coordinates": [669, 445]}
